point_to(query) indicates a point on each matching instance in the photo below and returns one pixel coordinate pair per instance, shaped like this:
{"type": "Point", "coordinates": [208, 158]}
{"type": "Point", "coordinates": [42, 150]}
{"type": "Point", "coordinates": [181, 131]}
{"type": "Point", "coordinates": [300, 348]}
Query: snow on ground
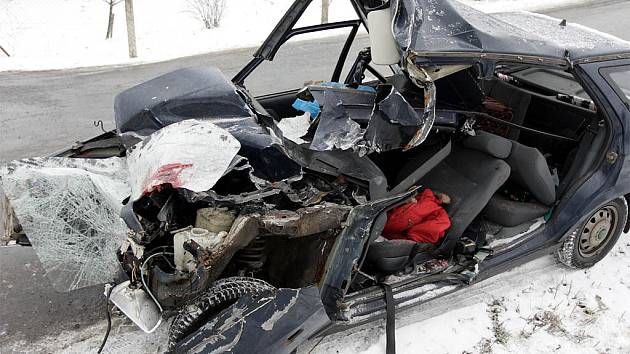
{"type": "Point", "coordinates": [52, 34]}
{"type": "Point", "coordinates": [55, 34]}
{"type": "Point", "coordinates": [540, 307]}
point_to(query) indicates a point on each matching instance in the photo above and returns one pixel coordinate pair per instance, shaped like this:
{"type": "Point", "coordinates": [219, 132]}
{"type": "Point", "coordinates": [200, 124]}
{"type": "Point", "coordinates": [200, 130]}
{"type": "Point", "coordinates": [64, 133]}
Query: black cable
{"type": "Point", "coordinates": [109, 318]}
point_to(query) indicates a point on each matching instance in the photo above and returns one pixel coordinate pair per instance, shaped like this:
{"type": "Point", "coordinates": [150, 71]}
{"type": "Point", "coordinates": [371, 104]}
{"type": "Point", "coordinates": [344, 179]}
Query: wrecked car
{"type": "Point", "coordinates": [457, 145]}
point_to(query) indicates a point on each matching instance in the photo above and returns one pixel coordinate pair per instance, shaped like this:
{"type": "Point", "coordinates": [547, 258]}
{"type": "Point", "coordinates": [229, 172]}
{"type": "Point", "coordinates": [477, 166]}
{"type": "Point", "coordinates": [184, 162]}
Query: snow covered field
{"type": "Point", "coordinates": [55, 34]}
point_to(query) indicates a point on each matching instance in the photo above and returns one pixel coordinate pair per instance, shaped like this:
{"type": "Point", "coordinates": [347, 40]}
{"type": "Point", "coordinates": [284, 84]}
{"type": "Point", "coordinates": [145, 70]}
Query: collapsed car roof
{"type": "Point", "coordinates": [449, 28]}
{"type": "Point", "coordinates": [447, 31]}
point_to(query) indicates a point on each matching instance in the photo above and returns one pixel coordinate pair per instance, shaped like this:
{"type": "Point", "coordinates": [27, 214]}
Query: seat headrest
{"type": "Point", "coordinates": [491, 144]}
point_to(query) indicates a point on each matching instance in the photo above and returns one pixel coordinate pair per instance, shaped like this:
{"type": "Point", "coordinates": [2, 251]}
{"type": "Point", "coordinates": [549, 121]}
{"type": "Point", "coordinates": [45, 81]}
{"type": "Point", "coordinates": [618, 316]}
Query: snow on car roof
{"type": "Point", "coordinates": [448, 26]}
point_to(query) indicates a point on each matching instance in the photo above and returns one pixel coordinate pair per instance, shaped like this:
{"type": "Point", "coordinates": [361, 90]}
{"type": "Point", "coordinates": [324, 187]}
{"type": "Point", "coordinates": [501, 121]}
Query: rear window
{"type": "Point", "coordinates": [619, 79]}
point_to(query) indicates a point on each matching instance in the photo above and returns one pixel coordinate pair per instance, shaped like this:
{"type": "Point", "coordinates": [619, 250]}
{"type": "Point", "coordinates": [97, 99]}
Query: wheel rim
{"type": "Point", "coordinates": [597, 231]}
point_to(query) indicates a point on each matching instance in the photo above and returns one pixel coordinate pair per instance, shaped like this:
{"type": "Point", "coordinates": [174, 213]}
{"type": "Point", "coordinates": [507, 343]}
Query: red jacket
{"type": "Point", "coordinates": [422, 221]}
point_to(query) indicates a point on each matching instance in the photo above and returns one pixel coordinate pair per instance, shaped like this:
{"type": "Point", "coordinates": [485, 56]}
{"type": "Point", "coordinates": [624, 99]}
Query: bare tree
{"type": "Point", "coordinates": [210, 12]}
{"type": "Point", "coordinates": [325, 8]}
{"type": "Point", "coordinates": [131, 29]}
{"type": "Point", "coordinates": [110, 19]}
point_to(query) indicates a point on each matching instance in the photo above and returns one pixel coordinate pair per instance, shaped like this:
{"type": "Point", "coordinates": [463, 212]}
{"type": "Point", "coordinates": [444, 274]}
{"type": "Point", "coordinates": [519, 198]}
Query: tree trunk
{"type": "Point", "coordinates": [110, 21]}
{"type": "Point", "coordinates": [131, 29]}
{"type": "Point", "coordinates": [325, 6]}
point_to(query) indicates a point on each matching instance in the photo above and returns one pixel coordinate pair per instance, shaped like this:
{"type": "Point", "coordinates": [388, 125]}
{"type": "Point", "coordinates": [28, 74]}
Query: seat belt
{"type": "Point", "coordinates": [390, 323]}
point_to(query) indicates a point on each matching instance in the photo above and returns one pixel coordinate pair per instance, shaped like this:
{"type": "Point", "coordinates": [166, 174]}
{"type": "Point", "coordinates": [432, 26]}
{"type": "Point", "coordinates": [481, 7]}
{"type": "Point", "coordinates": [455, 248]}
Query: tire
{"type": "Point", "coordinates": [221, 295]}
{"type": "Point", "coordinates": [590, 242]}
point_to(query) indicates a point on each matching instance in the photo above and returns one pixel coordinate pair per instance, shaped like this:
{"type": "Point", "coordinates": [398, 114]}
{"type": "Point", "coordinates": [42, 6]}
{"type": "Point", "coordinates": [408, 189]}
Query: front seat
{"type": "Point", "coordinates": [470, 177]}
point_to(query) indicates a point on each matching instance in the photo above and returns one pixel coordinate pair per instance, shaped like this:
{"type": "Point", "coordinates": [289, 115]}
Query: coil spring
{"type": "Point", "coordinates": [252, 257]}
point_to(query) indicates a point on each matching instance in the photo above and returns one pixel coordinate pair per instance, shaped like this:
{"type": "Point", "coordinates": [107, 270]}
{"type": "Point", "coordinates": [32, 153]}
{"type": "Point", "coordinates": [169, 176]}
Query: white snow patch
{"type": "Point", "coordinates": [520, 5]}
{"type": "Point", "coordinates": [41, 35]}
{"type": "Point", "coordinates": [540, 307]}
{"type": "Point", "coordinates": [467, 325]}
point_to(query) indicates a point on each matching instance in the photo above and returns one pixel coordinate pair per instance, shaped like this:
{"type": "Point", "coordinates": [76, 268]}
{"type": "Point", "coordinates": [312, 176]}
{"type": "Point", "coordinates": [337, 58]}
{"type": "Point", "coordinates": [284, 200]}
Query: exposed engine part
{"type": "Point", "coordinates": [214, 219]}
{"type": "Point", "coordinates": [251, 258]}
{"type": "Point", "coordinates": [244, 230]}
{"type": "Point", "coordinates": [185, 260]}
{"type": "Point", "coordinates": [175, 288]}
{"type": "Point", "coordinates": [305, 221]}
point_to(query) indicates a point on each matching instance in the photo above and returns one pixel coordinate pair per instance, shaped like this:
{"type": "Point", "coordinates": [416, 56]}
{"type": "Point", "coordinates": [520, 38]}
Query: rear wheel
{"type": "Point", "coordinates": [596, 236]}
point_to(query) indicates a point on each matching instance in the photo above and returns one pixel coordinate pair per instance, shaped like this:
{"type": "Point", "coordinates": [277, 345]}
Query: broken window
{"type": "Point", "coordinates": [69, 209]}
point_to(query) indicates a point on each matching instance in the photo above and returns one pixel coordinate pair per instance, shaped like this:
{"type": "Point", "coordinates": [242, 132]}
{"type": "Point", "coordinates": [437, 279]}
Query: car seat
{"type": "Point", "coordinates": [530, 171]}
{"type": "Point", "coordinates": [470, 177]}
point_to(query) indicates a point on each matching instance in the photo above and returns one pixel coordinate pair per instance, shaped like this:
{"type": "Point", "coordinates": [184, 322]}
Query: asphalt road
{"type": "Point", "coordinates": [44, 111]}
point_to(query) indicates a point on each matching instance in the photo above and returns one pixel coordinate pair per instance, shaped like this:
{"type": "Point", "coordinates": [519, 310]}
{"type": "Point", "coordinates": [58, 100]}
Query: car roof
{"type": "Point", "coordinates": [430, 27]}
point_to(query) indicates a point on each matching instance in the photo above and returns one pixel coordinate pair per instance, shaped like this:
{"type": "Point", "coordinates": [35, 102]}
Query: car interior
{"type": "Point", "coordinates": [503, 149]}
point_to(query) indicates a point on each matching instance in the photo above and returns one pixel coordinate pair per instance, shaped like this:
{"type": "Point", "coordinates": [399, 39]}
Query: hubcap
{"type": "Point", "coordinates": [597, 231]}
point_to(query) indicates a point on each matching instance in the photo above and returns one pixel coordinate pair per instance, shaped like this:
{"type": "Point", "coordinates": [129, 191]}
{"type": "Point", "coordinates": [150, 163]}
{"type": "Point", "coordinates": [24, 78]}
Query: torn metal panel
{"type": "Point", "coordinates": [362, 171]}
{"type": "Point", "coordinates": [190, 154]}
{"type": "Point", "coordinates": [396, 124]}
{"type": "Point", "coordinates": [202, 93]}
{"type": "Point", "coordinates": [349, 246]}
{"type": "Point", "coordinates": [382, 135]}
{"type": "Point", "coordinates": [305, 221]}
{"type": "Point", "coordinates": [447, 26]}
{"type": "Point", "coordinates": [243, 231]}
{"type": "Point", "coordinates": [397, 109]}
{"type": "Point", "coordinates": [275, 323]}
{"type": "Point", "coordinates": [296, 127]}
{"type": "Point", "coordinates": [69, 210]}
{"type": "Point", "coordinates": [206, 95]}
{"type": "Point", "coordinates": [335, 130]}
{"type": "Point", "coordinates": [422, 79]}
{"type": "Point", "coordinates": [392, 122]}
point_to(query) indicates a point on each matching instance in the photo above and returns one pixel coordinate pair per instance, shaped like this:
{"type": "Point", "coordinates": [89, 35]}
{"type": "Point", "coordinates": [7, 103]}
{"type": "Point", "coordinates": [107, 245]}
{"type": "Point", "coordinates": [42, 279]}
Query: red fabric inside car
{"type": "Point", "coordinates": [423, 220]}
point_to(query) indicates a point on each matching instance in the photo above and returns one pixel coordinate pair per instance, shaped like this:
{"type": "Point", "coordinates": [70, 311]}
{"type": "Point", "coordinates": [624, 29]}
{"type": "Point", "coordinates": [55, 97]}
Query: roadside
{"type": "Point", "coordinates": [540, 307]}
{"type": "Point", "coordinates": [70, 34]}
{"type": "Point", "coordinates": [64, 103]}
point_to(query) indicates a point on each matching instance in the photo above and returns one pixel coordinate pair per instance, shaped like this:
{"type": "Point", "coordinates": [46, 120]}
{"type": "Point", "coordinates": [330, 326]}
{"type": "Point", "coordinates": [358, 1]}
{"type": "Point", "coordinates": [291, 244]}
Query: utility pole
{"type": "Point", "coordinates": [131, 29]}
{"type": "Point", "coordinates": [325, 6]}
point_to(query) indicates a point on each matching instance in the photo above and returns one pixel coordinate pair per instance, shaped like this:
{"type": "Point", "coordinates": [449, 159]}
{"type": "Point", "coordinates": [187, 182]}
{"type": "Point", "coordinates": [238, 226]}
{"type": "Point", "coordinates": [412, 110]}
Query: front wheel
{"type": "Point", "coordinates": [220, 296]}
{"type": "Point", "coordinates": [596, 236]}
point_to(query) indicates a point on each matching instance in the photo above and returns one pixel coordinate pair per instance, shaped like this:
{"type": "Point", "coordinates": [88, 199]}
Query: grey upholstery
{"type": "Point", "coordinates": [491, 144]}
{"type": "Point", "coordinates": [530, 171]}
{"type": "Point", "coordinates": [418, 167]}
{"type": "Point", "coordinates": [509, 213]}
{"type": "Point", "coordinates": [470, 178]}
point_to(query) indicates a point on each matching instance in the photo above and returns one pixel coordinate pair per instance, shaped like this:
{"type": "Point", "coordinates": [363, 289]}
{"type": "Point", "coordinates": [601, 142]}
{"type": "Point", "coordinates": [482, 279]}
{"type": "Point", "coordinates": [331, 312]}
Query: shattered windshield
{"type": "Point", "coordinates": [70, 211]}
